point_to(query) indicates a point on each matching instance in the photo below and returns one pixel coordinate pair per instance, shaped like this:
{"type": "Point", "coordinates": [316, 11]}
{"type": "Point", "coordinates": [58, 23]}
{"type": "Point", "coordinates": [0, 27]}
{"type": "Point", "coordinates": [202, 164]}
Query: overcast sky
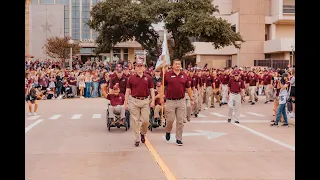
{"type": "Point", "coordinates": [158, 26]}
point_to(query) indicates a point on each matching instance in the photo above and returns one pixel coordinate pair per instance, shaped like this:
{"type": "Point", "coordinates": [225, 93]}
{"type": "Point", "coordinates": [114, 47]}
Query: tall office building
{"type": "Point", "coordinates": [76, 13]}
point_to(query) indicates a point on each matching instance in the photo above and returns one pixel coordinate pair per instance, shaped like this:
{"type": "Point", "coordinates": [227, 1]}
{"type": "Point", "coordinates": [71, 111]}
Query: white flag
{"type": "Point", "coordinates": [164, 58]}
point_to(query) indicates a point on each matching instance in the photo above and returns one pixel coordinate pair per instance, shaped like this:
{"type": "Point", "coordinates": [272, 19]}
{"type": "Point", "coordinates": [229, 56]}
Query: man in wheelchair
{"type": "Point", "coordinates": [116, 104]}
{"type": "Point", "coordinates": [157, 105]}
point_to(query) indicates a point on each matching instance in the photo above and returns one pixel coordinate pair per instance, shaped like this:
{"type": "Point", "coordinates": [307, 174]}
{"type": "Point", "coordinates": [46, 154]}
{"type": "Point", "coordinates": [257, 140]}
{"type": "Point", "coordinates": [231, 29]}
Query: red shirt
{"type": "Point", "coordinates": [140, 86]}
{"type": "Point", "coordinates": [217, 82]}
{"type": "Point", "coordinates": [122, 83]}
{"type": "Point", "coordinates": [267, 79]}
{"type": "Point", "coordinates": [253, 80]}
{"type": "Point", "coordinates": [195, 81]}
{"type": "Point", "coordinates": [176, 84]}
{"type": "Point", "coordinates": [225, 79]}
{"type": "Point", "coordinates": [157, 100]}
{"type": "Point", "coordinates": [236, 86]}
{"type": "Point", "coordinates": [116, 100]}
{"type": "Point", "coordinates": [208, 80]}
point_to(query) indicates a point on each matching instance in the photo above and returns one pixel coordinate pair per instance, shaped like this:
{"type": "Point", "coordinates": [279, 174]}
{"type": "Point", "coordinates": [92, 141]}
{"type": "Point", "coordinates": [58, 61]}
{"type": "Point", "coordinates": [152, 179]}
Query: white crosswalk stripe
{"type": "Point", "coordinates": [76, 116]}
{"type": "Point", "coordinates": [217, 114]}
{"type": "Point", "coordinates": [34, 117]}
{"type": "Point", "coordinates": [55, 117]}
{"type": "Point", "coordinates": [241, 115]}
{"type": "Point", "coordinates": [255, 114]}
{"type": "Point", "coordinates": [201, 116]}
{"type": "Point", "coordinates": [96, 116]}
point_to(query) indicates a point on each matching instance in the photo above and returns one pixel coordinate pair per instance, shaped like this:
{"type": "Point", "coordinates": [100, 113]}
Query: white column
{"type": "Point", "coordinates": [54, 1]}
{"type": "Point", "coordinates": [197, 58]}
{"type": "Point", "coordinates": [70, 19]}
{"type": "Point", "coordinates": [80, 7]}
{"type": "Point", "coordinates": [121, 53]}
{"type": "Point", "coordinates": [273, 30]}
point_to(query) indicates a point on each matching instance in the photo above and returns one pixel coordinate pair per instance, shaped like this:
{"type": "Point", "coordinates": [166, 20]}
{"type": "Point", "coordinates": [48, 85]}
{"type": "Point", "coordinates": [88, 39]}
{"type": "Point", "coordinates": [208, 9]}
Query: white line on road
{"type": "Point", "coordinates": [32, 125]}
{"type": "Point", "coordinates": [96, 116]}
{"type": "Point", "coordinates": [266, 137]}
{"type": "Point", "coordinates": [241, 115]}
{"type": "Point", "coordinates": [76, 116]}
{"type": "Point", "coordinates": [217, 114]}
{"type": "Point", "coordinates": [225, 121]}
{"type": "Point", "coordinates": [201, 116]}
{"type": "Point", "coordinates": [255, 114]}
{"type": "Point", "coordinates": [34, 117]}
{"type": "Point", "coordinates": [55, 117]}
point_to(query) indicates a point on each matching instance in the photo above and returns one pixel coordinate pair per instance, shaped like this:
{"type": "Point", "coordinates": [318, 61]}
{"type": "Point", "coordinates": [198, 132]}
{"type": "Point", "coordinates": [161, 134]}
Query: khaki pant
{"type": "Point", "coordinates": [188, 106]}
{"type": "Point", "coordinates": [208, 95]}
{"type": "Point", "coordinates": [200, 99]}
{"type": "Point", "coordinates": [175, 109]}
{"type": "Point", "coordinates": [253, 93]}
{"type": "Point", "coordinates": [268, 90]}
{"type": "Point", "coordinates": [216, 93]}
{"type": "Point", "coordinates": [234, 106]}
{"type": "Point", "coordinates": [195, 107]}
{"type": "Point", "coordinates": [157, 111]}
{"type": "Point", "coordinates": [139, 111]}
{"type": "Point", "coordinates": [118, 110]}
{"type": "Point", "coordinates": [247, 91]}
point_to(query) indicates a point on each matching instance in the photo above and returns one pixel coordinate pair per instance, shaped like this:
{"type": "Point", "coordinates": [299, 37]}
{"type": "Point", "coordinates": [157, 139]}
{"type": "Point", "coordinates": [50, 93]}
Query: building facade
{"type": "Point", "coordinates": [76, 13]}
{"type": "Point", "coordinates": [267, 26]}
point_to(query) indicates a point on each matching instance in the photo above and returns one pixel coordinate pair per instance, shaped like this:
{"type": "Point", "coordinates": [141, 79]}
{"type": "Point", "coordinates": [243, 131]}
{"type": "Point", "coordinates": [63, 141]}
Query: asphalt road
{"type": "Point", "coordinates": [68, 140]}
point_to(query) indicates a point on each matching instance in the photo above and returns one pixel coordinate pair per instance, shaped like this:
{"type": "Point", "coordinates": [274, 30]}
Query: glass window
{"type": "Point", "coordinates": [34, 2]}
{"type": "Point", "coordinates": [65, 2]}
{"type": "Point", "coordinates": [116, 51]}
{"type": "Point", "coordinates": [66, 23]}
{"type": "Point", "coordinates": [125, 51]}
{"type": "Point", "coordinates": [85, 2]}
{"type": "Point", "coordinates": [86, 35]}
{"type": "Point", "coordinates": [46, 1]}
{"type": "Point", "coordinates": [125, 57]}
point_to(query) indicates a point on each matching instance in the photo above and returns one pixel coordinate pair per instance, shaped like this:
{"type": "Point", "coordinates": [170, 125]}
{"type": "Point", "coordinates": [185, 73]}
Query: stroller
{"type": "Point", "coordinates": [68, 92]}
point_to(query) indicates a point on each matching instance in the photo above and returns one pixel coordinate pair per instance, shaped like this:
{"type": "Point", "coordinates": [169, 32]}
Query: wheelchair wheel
{"type": "Point", "coordinates": [126, 125]}
{"type": "Point", "coordinates": [108, 124]}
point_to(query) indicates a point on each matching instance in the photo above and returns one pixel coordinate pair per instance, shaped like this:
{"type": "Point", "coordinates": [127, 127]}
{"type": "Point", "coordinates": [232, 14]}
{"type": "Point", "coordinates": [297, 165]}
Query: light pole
{"type": "Point", "coordinates": [238, 43]}
{"type": "Point", "coordinates": [70, 41]}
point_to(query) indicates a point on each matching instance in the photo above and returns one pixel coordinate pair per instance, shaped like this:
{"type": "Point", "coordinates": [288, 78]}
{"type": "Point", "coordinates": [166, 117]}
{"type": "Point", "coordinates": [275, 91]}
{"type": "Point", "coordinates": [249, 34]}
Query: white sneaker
{"type": "Point", "coordinates": [34, 114]}
{"type": "Point", "coordinates": [205, 108]}
{"type": "Point", "coordinates": [81, 97]}
{"type": "Point", "coordinates": [30, 114]}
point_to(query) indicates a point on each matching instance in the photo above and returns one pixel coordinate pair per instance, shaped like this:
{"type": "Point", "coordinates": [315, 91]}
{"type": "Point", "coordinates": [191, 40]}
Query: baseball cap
{"type": "Point", "coordinates": [235, 73]}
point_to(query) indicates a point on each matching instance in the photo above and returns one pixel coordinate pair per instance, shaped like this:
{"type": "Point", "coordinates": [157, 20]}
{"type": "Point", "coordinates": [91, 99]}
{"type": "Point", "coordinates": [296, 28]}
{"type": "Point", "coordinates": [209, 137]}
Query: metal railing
{"type": "Point", "coordinates": [288, 9]}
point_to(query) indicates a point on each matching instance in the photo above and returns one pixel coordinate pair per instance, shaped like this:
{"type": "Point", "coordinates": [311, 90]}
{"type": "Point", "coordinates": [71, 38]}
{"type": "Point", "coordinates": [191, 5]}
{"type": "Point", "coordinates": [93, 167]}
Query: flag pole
{"type": "Point", "coordinates": [162, 93]}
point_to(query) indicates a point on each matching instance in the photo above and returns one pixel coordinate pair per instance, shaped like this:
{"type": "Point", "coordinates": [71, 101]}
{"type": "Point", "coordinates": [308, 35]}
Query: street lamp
{"type": "Point", "coordinates": [70, 41]}
{"type": "Point", "coordinates": [292, 54]}
{"type": "Point", "coordinates": [238, 46]}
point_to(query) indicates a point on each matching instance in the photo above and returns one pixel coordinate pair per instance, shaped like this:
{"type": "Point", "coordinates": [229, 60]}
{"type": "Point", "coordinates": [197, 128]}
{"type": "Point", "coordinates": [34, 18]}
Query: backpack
{"type": "Point", "coordinates": [33, 92]}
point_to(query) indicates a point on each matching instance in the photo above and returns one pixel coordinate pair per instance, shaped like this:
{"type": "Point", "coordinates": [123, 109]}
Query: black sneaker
{"type": "Point", "coordinates": [253, 103]}
{"type": "Point", "coordinates": [266, 102]}
{"type": "Point", "coordinates": [220, 104]}
{"type": "Point", "coordinates": [136, 144]}
{"type": "Point", "coordinates": [274, 124]}
{"type": "Point", "coordinates": [236, 122]}
{"type": "Point", "coordinates": [167, 136]}
{"type": "Point", "coordinates": [285, 125]}
{"type": "Point", "coordinates": [229, 120]}
{"type": "Point", "coordinates": [142, 138]}
{"type": "Point", "coordinates": [179, 143]}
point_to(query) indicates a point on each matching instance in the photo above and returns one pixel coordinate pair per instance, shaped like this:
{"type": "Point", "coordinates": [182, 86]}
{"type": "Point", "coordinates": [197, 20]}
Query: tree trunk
{"type": "Point", "coordinates": [62, 63]}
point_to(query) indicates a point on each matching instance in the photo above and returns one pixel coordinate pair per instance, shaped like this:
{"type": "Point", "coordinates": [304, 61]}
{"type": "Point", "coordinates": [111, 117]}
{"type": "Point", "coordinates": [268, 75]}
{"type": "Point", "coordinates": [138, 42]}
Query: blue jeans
{"type": "Point", "coordinates": [282, 110]}
{"type": "Point", "coordinates": [59, 88]}
{"type": "Point", "coordinates": [87, 93]}
{"type": "Point", "coordinates": [95, 89]}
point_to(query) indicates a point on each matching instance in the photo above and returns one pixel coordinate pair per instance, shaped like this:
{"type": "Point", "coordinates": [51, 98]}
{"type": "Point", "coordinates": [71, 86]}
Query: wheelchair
{"type": "Point", "coordinates": [155, 123]}
{"type": "Point", "coordinates": [116, 120]}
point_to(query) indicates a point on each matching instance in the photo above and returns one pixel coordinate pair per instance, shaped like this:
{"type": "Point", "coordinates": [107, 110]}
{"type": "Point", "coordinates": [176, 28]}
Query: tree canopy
{"type": "Point", "coordinates": [120, 21]}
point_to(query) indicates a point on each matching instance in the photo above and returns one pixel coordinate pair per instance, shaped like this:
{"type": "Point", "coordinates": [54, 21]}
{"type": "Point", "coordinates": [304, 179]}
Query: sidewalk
{"type": "Point", "coordinates": [291, 121]}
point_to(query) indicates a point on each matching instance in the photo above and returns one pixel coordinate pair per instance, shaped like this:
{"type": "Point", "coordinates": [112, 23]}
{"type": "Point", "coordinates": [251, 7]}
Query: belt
{"type": "Point", "coordinates": [140, 98]}
{"type": "Point", "coordinates": [174, 98]}
{"type": "Point", "coordinates": [235, 93]}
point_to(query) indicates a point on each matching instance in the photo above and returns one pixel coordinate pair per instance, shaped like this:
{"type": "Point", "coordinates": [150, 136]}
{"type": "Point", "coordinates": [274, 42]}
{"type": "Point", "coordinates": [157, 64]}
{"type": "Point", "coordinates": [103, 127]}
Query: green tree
{"type": "Point", "coordinates": [118, 21]}
{"type": "Point", "coordinates": [57, 47]}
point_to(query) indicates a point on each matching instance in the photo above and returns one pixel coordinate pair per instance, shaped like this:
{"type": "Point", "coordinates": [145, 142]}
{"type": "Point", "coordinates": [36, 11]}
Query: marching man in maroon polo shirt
{"type": "Point", "coordinates": [253, 87]}
{"type": "Point", "coordinates": [235, 92]}
{"type": "Point", "coordinates": [139, 86]}
{"type": "Point", "coordinates": [116, 101]}
{"type": "Point", "coordinates": [177, 83]}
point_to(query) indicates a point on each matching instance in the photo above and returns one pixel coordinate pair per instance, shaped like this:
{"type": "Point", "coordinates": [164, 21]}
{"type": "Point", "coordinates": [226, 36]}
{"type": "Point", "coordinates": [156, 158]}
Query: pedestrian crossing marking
{"type": "Point", "coordinates": [96, 116]}
{"type": "Point", "coordinates": [55, 117]}
{"type": "Point", "coordinates": [255, 114]}
{"type": "Point", "coordinates": [241, 115]}
{"type": "Point", "coordinates": [76, 116]}
{"type": "Point", "coordinates": [34, 117]}
{"type": "Point", "coordinates": [217, 114]}
{"type": "Point", "coordinates": [201, 116]}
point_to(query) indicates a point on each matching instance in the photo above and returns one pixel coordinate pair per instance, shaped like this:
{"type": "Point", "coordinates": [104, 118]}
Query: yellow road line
{"type": "Point", "coordinates": [159, 161]}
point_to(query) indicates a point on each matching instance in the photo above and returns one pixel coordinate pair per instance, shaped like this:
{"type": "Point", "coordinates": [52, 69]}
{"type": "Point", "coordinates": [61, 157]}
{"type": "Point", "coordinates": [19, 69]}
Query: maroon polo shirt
{"type": "Point", "coordinates": [157, 101]}
{"type": "Point", "coordinates": [247, 79]}
{"type": "Point", "coordinates": [267, 79]}
{"type": "Point", "coordinates": [216, 82]}
{"type": "Point", "coordinates": [176, 84]}
{"type": "Point", "coordinates": [190, 81]}
{"type": "Point", "coordinates": [208, 80]}
{"type": "Point", "coordinates": [253, 80]}
{"type": "Point", "coordinates": [236, 86]}
{"type": "Point", "coordinates": [244, 78]}
{"type": "Point", "coordinates": [225, 79]}
{"type": "Point", "coordinates": [116, 99]}
{"type": "Point", "coordinates": [140, 86]}
{"type": "Point", "coordinates": [112, 75]}
{"type": "Point", "coordinates": [122, 83]}
{"type": "Point", "coordinates": [195, 81]}
{"type": "Point", "coordinates": [72, 79]}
